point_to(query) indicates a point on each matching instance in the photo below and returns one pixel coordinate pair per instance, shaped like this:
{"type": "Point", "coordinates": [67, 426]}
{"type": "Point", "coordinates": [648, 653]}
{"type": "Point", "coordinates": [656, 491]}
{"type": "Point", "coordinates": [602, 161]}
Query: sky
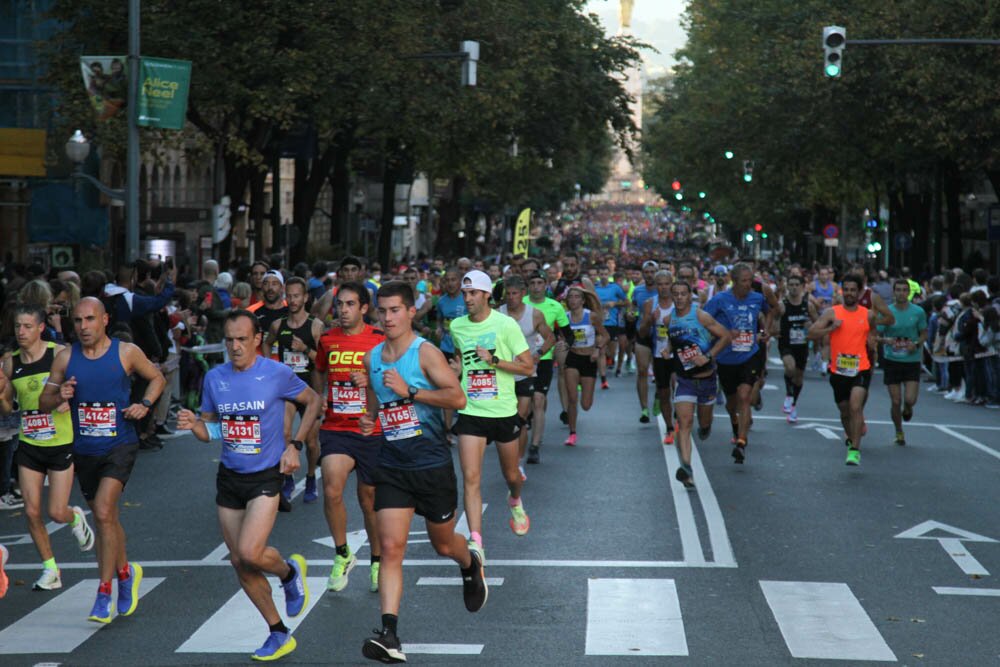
{"type": "Point", "coordinates": [656, 22]}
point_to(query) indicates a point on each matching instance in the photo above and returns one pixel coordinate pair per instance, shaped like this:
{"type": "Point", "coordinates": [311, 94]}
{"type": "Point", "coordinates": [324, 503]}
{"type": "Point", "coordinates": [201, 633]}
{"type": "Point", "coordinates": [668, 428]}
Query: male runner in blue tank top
{"type": "Point", "coordinates": [99, 371]}
{"type": "Point", "coordinates": [408, 383]}
{"type": "Point", "coordinates": [243, 404]}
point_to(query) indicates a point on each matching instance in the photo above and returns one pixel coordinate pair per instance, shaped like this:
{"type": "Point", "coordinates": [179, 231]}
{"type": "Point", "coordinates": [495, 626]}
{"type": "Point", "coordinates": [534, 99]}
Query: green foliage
{"type": "Point", "coordinates": [750, 79]}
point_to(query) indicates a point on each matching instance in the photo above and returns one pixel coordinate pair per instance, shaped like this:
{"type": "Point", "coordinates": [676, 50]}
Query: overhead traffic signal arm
{"type": "Point", "coordinates": [835, 41]}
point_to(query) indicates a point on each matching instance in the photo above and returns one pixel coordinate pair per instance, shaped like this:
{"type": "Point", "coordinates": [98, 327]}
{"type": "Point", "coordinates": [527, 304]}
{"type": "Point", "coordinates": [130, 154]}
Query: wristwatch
{"type": "Point", "coordinates": [495, 360]}
{"type": "Point", "coordinates": [298, 444]}
{"type": "Point", "coordinates": [412, 391]}
{"type": "Point", "coordinates": [146, 403]}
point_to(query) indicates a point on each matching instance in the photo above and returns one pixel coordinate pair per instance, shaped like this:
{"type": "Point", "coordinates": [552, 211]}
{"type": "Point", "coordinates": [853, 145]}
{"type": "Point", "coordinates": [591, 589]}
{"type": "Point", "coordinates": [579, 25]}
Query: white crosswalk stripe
{"type": "Point", "coordinates": [60, 625]}
{"type": "Point", "coordinates": [634, 617]}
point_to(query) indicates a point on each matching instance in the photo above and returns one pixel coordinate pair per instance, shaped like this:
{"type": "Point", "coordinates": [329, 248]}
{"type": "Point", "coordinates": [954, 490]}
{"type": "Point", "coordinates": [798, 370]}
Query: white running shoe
{"type": "Point", "coordinates": [49, 581]}
{"type": "Point", "coordinates": [787, 407]}
{"type": "Point", "coordinates": [9, 501]}
{"type": "Point", "coordinates": [82, 532]}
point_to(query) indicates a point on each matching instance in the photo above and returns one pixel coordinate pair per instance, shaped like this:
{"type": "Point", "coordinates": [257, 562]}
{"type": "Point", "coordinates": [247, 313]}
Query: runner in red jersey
{"type": "Point", "coordinates": [341, 352]}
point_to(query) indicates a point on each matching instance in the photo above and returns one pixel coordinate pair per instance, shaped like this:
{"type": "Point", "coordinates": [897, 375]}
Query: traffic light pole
{"type": "Point", "coordinates": [920, 42]}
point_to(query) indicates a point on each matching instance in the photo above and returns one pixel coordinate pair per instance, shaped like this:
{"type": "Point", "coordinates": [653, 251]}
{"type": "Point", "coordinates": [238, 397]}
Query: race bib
{"type": "Point", "coordinates": [274, 350]}
{"type": "Point", "coordinates": [297, 361]}
{"type": "Point", "coordinates": [98, 420]}
{"type": "Point", "coordinates": [687, 355]}
{"type": "Point", "coordinates": [848, 365]}
{"type": "Point", "coordinates": [346, 399]}
{"type": "Point", "coordinates": [579, 337]}
{"type": "Point", "coordinates": [899, 345]}
{"type": "Point", "coordinates": [661, 332]}
{"type": "Point", "coordinates": [743, 341]}
{"type": "Point", "coordinates": [37, 425]}
{"type": "Point", "coordinates": [399, 420]}
{"type": "Point", "coordinates": [482, 385]}
{"type": "Point", "coordinates": [241, 433]}
{"type": "Point", "coordinates": [797, 336]}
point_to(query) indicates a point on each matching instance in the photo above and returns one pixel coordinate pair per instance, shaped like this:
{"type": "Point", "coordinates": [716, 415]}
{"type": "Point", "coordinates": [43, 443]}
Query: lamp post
{"type": "Point", "coordinates": [77, 150]}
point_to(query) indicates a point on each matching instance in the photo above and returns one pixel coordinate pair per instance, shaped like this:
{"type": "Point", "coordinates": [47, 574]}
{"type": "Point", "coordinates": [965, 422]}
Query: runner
{"type": "Point", "coordinates": [589, 341]}
{"type": "Point", "coordinates": [94, 377]}
{"type": "Point", "coordinates": [540, 340]}
{"type": "Point", "coordinates": [449, 306]}
{"type": "Point", "coordinates": [612, 298]}
{"type": "Point", "coordinates": [570, 276]}
{"type": "Point", "coordinates": [626, 333]}
{"type": "Point", "coordinates": [796, 314]}
{"type": "Point", "coordinates": [643, 344]}
{"type": "Point", "coordinates": [690, 330]}
{"type": "Point", "coordinates": [848, 326]}
{"type": "Point", "coordinates": [490, 351]}
{"type": "Point", "coordinates": [904, 344]}
{"type": "Point", "coordinates": [407, 385]}
{"type": "Point", "coordinates": [342, 351]}
{"type": "Point", "coordinates": [739, 310]}
{"type": "Point", "coordinates": [271, 308]}
{"type": "Point", "coordinates": [655, 313]}
{"type": "Point", "coordinates": [555, 318]}
{"type": "Point", "coordinates": [295, 337]}
{"type": "Point", "coordinates": [45, 448]}
{"type": "Point", "coordinates": [823, 294]}
{"type": "Point", "coordinates": [242, 405]}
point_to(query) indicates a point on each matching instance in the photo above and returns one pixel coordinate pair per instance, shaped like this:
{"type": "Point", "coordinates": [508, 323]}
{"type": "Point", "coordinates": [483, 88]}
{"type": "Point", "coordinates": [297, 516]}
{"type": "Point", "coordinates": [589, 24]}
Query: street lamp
{"type": "Point", "coordinates": [77, 150]}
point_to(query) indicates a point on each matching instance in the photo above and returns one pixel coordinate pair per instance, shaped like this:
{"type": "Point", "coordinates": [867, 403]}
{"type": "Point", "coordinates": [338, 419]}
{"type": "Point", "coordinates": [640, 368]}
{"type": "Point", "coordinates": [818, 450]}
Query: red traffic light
{"type": "Point", "coordinates": [676, 185]}
{"type": "Point", "coordinates": [758, 227]}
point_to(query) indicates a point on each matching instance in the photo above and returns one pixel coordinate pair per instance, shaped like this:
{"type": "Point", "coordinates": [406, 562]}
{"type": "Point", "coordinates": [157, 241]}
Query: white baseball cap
{"type": "Point", "coordinates": [477, 280]}
{"type": "Point", "coordinates": [275, 274]}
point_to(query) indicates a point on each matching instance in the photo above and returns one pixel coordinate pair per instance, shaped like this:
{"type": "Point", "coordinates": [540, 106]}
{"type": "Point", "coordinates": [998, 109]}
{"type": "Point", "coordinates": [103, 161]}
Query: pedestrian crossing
{"type": "Point", "coordinates": [623, 617]}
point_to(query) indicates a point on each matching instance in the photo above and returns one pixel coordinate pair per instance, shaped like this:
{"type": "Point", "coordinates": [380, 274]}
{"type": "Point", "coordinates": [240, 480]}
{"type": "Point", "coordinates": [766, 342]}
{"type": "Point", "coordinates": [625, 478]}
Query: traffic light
{"type": "Point", "coordinates": [747, 171]}
{"type": "Point", "coordinates": [702, 195]}
{"type": "Point", "coordinates": [729, 155]}
{"type": "Point", "coordinates": [758, 227]}
{"type": "Point", "coordinates": [834, 40]}
{"type": "Point", "coordinates": [749, 237]}
{"type": "Point", "coordinates": [676, 185]}
{"type": "Point", "coordinates": [678, 196]}
{"type": "Point", "coordinates": [469, 62]}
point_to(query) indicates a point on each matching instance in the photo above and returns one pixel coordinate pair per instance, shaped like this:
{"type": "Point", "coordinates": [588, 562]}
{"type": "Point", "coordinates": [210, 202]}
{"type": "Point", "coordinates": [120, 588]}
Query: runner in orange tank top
{"type": "Point", "coordinates": [849, 326]}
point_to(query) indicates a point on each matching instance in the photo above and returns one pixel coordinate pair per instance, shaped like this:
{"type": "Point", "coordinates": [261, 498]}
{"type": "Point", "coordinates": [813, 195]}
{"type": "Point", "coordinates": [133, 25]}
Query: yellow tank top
{"type": "Point", "coordinates": [42, 429]}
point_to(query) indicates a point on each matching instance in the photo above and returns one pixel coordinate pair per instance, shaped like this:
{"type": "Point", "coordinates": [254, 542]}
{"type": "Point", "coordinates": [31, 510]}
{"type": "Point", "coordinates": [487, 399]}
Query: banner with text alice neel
{"type": "Point", "coordinates": [163, 92]}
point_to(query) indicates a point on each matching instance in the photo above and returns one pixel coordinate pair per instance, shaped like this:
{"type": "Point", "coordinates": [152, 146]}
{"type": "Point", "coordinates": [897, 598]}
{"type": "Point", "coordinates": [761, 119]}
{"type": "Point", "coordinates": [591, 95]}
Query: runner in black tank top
{"type": "Point", "coordinates": [793, 345]}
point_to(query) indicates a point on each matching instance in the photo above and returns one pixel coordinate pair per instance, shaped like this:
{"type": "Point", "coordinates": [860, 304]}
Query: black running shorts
{"type": "Point", "coordinates": [431, 492]}
{"type": "Point", "coordinates": [543, 376]}
{"type": "Point", "coordinates": [897, 372]}
{"type": "Point", "coordinates": [582, 364]}
{"type": "Point", "coordinates": [234, 490]}
{"type": "Point", "coordinates": [494, 429]}
{"type": "Point", "coordinates": [363, 449]}
{"type": "Point", "coordinates": [731, 377]}
{"type": "Point", "coordinates": [116, 464]}
{"type": "Point", "coordinates": [800, 353]}
{"type": "Point", "coordinates": [43, 459]}
{"type": "Point", "coordinates": [842, 385]}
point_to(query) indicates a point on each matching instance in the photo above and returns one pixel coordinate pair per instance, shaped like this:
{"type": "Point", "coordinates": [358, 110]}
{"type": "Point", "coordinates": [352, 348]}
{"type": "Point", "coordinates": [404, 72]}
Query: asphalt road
{"type": "Point", "coordinates": [793, 558]}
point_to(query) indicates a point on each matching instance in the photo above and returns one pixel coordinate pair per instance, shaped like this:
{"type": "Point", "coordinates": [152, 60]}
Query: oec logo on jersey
{"type": "Point", "coordinates": [346, 357]}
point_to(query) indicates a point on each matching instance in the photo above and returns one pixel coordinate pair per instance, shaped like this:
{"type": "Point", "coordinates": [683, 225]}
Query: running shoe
{"type": "Point", "coordinates": [277, 645]}
{"type": "Point", "coordinates": [793, 415]}
{"type": "Point", "coordinates": [571, 440]}
{"type": "Point", "coordinates": [101, 612]}
{"type": "Point", "coordinates": [907, 412]}
{"type": "Point", "coordinates": [853, 457]}
{"type": "Point", "coordinates": [373, 577]}
{"type": "Point", "coordinates": [685, 476]}
{"type": "Point", "coordinates": [618, 372]}
{"type": "Point", "coordinates": [564, 417]}
{"type": "Point", "coordinates": [49, 580]}
{"type": "Point", "coordinates": [474, 589]}
{"type": "Point", "coordinates": [739, 451]}
{"type": "Point", "coordinates": [787, 406]}
{"type": "Point", "coordinates": [341, 569]}
{"type": "Point", "coordinates": [604, 384]}
{"type": "Point", "coordinates": [703, 433]}
{"type": "Point", "coordinates": [4, 556]}
{"type": "Point", "coordinates": [644, 416]}
{"type": "Point", "coordinates": [383, 647]}
{"type": "Point", "coordinates": [288, 487]}
{"type": "Point", "coordinates": [310, 495]}
{"type": "Point", "coordinates": [669, 438]}
{"type": "Point", "coordinates": [900, 439]}
{"type": "Point", "coordinates": [82, 532]}
{"type": "Point", "coordinates": [9, 501]}
{"type": "Point", "coordinates": [296, 590]}
{"type": "Point", "coordinates": [520, 469]}
{"type": "Point", "coordinates": [478, 548]}
{"type": "Point", "coordinates": [759, 405]}
{"type": "Point", "coordinates": [519, 521]}
{"type": "Point", "coordinates": [533, 455]}
{"type": "Point", "coordinates": [128, 590]}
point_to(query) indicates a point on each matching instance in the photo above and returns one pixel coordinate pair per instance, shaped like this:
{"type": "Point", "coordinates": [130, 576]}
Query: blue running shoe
{"type": "Point", "coordinates": [310, 494]}
{"type": "Point", "coordinates": [296, 590]}
{"type": "Point", "coordinates": [101, 613]}
{"type": "Point", "coordinates": [128, 590]}
{"type": "Point", "coordinates": [277, 645]}
{"type": "Point", "coordinates": [288, 488]}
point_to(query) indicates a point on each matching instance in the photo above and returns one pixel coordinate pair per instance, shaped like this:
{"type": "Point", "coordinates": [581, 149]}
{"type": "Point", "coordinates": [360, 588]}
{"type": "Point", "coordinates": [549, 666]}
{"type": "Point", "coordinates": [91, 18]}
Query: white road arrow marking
{"type": "Point", "coordinates": [952, 544]}
{"type": "Point", "coordinates": [821, 429]}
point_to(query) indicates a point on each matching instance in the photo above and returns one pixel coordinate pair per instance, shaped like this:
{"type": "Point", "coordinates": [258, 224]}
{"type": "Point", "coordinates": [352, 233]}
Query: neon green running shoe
{"type": "Point", "coordinates": [519, 521]}
{"type": "Point", "coordinates": [853, 457]}
{"type": "Point", "coordinates": [341, 568]}
{"type": "Point", "coordinates": [900, 439]}
{"type": "Point", "coordinates": [373, 587]}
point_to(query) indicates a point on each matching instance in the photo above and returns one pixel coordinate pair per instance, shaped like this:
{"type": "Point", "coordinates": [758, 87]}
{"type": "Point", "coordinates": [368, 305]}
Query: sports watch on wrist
{"type": "Point", "coordinates": [146, 403]}
{"type": "Point", "coordinates": [297, 444]}
{"type": "Point", "coordinates": [495, 360]}
{"type": "Point", "coordinates": [412, 391]}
